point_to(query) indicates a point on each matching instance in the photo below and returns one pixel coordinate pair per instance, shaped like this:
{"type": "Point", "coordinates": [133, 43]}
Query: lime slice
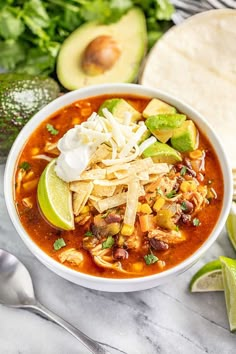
{"type": "Point", "coordinates": [231, 225]}
{"type": "Point", "coordinates": [55, 199]}
{"type": "Point", "coordinates": [208, 278]}
{"type": "Point", "coordinates": [229, 280]}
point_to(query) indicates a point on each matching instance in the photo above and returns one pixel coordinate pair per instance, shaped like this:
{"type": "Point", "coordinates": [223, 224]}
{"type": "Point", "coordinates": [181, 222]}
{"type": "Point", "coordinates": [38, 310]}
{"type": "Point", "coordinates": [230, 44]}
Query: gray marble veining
{"type": "Point", "coordinates": [164, 320]}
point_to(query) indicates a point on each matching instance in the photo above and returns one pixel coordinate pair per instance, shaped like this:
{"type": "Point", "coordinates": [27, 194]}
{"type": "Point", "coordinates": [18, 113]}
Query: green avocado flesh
{"type": "Point", "coordinates": [130, 36]}
{"type": "Point", "coordinates": [21, 96]}
{"type": "Point", "coordinates": [185, 138]}
{"type": "Point", "coordinates": [156, 106]}
{"type": "Point", "coordinates": [118, 107]}
{"type": "Point", "coordinates": [160, 152]}
{"type": "Point", "coordinates": [163, 125]}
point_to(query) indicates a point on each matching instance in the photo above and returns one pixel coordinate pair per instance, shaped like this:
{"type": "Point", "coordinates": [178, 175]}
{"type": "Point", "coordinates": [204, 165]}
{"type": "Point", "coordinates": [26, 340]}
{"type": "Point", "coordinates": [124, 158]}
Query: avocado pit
{"type": "Point", "coordinates": [100, 55]}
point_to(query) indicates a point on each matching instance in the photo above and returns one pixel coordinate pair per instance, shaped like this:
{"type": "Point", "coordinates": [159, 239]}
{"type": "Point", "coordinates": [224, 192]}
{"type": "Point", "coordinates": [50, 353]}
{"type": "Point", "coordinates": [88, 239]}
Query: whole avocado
{"type": "Point", "coordinates": [21, 96]}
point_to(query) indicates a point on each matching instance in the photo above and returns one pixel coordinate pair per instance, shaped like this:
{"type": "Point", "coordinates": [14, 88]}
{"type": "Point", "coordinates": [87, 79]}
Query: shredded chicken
{"type": "Point", "coordinates": [71, 255]}
{"type": "Point", "coordinates": [170, 237]}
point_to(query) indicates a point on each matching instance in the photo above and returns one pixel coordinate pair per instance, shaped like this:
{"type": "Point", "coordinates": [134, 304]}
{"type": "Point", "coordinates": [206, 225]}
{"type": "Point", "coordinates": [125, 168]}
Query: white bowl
{"type": "Point", "coordinates": [108, 284]}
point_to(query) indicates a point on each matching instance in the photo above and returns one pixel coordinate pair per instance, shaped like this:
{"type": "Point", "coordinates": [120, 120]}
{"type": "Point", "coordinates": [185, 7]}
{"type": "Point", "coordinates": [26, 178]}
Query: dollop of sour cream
{"type": "Point", "coordinates": [77, 147]}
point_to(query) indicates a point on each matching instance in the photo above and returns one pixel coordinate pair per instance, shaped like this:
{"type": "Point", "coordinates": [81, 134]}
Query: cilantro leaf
{"type": "Point", "coordinates": [183, 206]}
{"type": "Point", "coordinates": [196, 222]}
{"type": "Point", "coordinates": [108, 243]}
{"type": "Point", "coordinates": [51, 129]}
{"type": "Point", "coordinates": [25, 166]}
{"type": "Point", "coordinates": [171, 194]}
{"type": "Point", "coordinates": [183, 171]}
{"type": "Point", "coordinates": [88, 233]}
{"type": "Point", "coordinates": [58, 244]}
{"type": "Point", "coordinates": [150, 258]}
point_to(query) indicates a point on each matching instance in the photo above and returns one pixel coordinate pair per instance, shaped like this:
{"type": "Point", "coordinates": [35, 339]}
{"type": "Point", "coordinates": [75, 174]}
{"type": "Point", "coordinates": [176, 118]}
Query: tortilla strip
{"type": "Point", "coordinates": [111, 202]}
{"type": "Point", "coordinates": [103, 191]}
{"type": "Point", "coordinates": [102, 152]}
{"type": "Point", "coordinates": [97, 173]}
{"type": "Point", "coordinates": [80, 197]}
{"type": "Point", "coordinates": [132, 202]}
{"type": "Point", "coordinates": [114, 182]}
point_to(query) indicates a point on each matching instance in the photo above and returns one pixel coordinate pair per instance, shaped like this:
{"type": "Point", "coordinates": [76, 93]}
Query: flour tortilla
{"type": "Point", "coordinates": [196, 62]}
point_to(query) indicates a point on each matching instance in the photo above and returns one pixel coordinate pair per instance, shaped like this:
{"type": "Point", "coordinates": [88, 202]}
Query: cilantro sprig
{"type": "Point", "coordinates": [51, 129]}
{"type": "Point", "coordinates": [25, 166]}
{"type": "Point", "coordinates": [108, 243]}
{"type": "Point", "coordinates": [150, 258]}
{"type": "Point", "coordinates": [58, 244]}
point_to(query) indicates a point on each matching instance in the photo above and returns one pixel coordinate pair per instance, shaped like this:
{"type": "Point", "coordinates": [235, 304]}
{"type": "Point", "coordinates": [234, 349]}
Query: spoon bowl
{"type": "Point", "coordinates": [16, 290]}
{"type": "Point", "coordinates": [16, 285]}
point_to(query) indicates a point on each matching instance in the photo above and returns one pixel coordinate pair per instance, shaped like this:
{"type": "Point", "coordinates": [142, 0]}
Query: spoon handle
{"type": "Point", "coordinates": [89, 343]}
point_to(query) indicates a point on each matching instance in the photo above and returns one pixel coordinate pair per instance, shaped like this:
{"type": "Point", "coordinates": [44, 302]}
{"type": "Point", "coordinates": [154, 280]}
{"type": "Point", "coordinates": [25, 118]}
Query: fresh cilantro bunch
{"type": "Point", "coordinates": [31, 31]}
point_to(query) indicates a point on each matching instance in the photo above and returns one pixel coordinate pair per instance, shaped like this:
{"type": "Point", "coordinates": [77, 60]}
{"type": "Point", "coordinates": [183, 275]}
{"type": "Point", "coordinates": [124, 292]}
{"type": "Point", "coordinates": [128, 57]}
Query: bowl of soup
{"type": "Point", "coordinates": [118, 187]}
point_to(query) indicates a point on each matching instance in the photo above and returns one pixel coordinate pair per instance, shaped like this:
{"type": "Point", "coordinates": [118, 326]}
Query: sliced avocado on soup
{"type": "Point", "coordinates": [98, 53]}
{"type": "Point", "coordinates": [118, 107]}
{"type": "Point", "coordinates": [160, 152]}
{"type": "Point", "coordinates": [156, 106]}
{"type": "Point", "coordinates": [185, 138]}
{"type": "Point", "coordinates": [163, 125]}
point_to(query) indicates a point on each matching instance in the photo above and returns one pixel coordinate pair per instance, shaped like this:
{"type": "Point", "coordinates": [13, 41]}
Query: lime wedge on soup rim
{"type": "Point", "coordinates": [55, 199]}
{"type": "Point", "coordinates": [229, 280]}
{"type": "Point", "coordinates": [231, 225]}
{"type": "Point", "coordinates": [208, 278]}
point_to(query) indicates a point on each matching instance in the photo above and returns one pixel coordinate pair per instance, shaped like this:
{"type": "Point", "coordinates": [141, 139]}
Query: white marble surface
{"type": "Point", "coordinates": [164, 320]}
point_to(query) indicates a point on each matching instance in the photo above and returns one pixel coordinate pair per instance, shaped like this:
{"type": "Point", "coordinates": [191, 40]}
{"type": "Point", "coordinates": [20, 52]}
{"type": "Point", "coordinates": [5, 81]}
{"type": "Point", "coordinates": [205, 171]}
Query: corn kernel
{"type": "Point", "coordinates": [145, 209]}
{"type": "Point", "coordinates": [158, 204]}
{"type": "Point", "coordinates": [127, 230]}
{"type": "Point", "coordinates": [188, 186]}
{"type": "Point", "coordinates": [196, 154]}
{"type": "Point", "coordinates": [139, 207]}
{"type": "Point", "coordinates": [137, 267]}
{"type": "Point", "coordinates": [161, 264]}
{"type": "Point", "coordinates": [29, 186]}
{"type": "Point", "coordinates": [75, 121]}
{"type": "Point", "coordinates": [35, 150]}
{"type": "Point", "coordinates": [84, 210]}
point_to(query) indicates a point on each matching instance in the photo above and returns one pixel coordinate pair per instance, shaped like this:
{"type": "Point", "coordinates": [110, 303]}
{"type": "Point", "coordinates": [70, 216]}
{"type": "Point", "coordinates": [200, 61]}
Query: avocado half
{"type": "Point", "coordinates": [122, 46]}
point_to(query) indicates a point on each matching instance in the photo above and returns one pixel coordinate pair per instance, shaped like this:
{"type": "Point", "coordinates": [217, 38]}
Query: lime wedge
{"type": "Point", "coordinates": [229, 280]}
{"type": "Point", "coordinates": [208, 278]}
{"type": "Point", "coordinates": [55, 199]}
{"type": "Point", "coordinates": [231, 225]}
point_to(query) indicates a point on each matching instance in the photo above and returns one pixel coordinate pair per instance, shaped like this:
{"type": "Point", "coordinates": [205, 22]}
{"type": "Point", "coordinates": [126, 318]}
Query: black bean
{"type": "Point", "coordinates": [158, 245]}
{"type": "Point", "coordinates": [112, 217]}
{"type": "Point", "coordinates": [187, 207]}
{"type": "Point", "coordinates": [120, 253]}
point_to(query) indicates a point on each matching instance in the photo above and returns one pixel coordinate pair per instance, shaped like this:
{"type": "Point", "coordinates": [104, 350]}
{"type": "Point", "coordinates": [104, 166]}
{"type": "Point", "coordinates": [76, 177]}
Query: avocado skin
{"type": "Point", "coordinates": [21, 96]}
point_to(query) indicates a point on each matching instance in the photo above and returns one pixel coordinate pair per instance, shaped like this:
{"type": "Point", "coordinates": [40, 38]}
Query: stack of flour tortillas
{"type": "Point", "coordinates": [196, 62]}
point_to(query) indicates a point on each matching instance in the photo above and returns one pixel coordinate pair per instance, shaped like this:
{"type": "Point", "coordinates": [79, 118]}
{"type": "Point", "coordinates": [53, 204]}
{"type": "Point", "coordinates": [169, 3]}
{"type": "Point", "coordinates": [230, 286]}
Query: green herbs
{"type": "Point", "coordinates": [171, 194]}
{"type": "Point", "coordinates": [183, 171]}
{"type": "Point", "coordinates": [51, 129]}
{"type": "Point", "coordinates": [88, 233]}
{"type": "Point", "coordinates": [183, 206]}
{"type": "Point", "coordinates": [58, 244]}
{"type": "Point", "coordinates": [25, 166]}
{"type": "Point", "coordinates": [32, 31]}
{"type": "Point", "coordinates": [150, 258]}
{"type": "Point", "coordinates": [108, 243]}
{"type": "Point", "coordinates": [196, 222]}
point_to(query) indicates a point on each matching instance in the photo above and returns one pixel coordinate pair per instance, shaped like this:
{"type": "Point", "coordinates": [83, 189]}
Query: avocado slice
{"type": "Point", "coordinates": [156, 106]}
{"type": "Point", "coordinates": [185, 138]}
{"type": "Point", "coordinates": [163, 125]}
{"type": "Point", "coordinates": [118, 107]}
{"type": "Point", "coordinates": [96, 53]}
{"type": "Point", "coordinates": [160, 152]}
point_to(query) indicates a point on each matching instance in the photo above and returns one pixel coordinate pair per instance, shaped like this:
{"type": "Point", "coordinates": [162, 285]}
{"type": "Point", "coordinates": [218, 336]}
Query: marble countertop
{"type": "Point", "coordinates": [167, 319]}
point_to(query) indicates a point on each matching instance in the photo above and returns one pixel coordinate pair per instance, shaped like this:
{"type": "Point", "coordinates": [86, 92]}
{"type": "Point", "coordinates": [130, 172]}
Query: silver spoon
{"type": "Point", "coordinates": [16, 290]}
